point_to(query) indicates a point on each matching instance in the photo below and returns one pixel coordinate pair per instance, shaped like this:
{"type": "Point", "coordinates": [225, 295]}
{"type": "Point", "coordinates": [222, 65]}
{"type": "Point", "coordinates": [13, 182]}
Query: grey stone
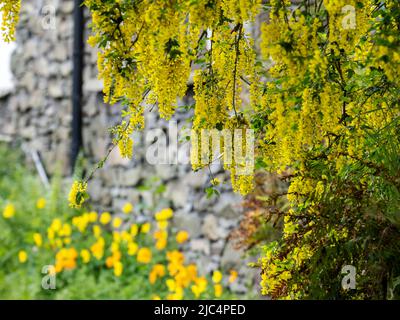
{"type": "Point", "coordinates": [231, 256]}
{"type": "Point", "coordinates": [178, 193]}
{"type": "Point", "coordinates": [200, 245]}
{"type": "Point", "coordinates": [228, 205]}
{"type": "Point", "coordinates": [190, 222]}
{"type": "Point", "coordinates": [93, 85]}
{"type": "Point", "coordinates": [210, 227]}
{"type": "Point", "coordinates": [56, 90]}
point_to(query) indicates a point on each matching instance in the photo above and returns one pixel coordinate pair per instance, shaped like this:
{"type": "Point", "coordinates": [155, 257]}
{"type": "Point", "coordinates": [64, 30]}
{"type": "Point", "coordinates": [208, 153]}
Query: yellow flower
{"type": "Point", "coordinates": [217, 276]}
{"type": "Point", "coordinates": [65, 230]}
{"type": "Point", "coordinates": [22, 256]}
{"type": "Point", "coordinates": [162, 224]}
{"type": "Point", "coordinates": [98, 248]}
{"type": "Point", "coordinates": [191, 272]}
{"type": "Point", "coordinates": [182, 236]}
{"type": "Point", "coordinates": [114, 247]}
{"type": "Point", "coordinates": [132, 248]}
{"type": "Point", "coordinates": [171, 284]}
{"type": "Point", "coordinates": [145, 227]}
{"type": "Point", "coordinates": [37, 238]}
{"type": "Point", "coordinates": [199, 287]}
{"type": "Point", "coordinates": [105, 218]}
{"type": "Point", "coordinates": [126, 236]}
{"type": "Point", "coordinates": [56, 225]}
{"type": "Point", "coordinates": [85, 255]}
{"type": "Point", "coordinates": [78, 194]}
{"type": "Point", "coordinates": [164, 214]}
{"type": "Point", "coordinates": [96, 231]}
{"type": "Point", "coordinates": [215, 182]}
{"type": "Point", "coordinates": [118, 267]}
{"type": "Point", "coordinates": [161, 243]}
{"type": "Point", "coordinates": [41, 203]}
{"type": "Point", "coordinates": [92, 216]}
{"type": "Point", "coordinates": [218, 290]}
{"type": "Point", "coordinates": [144, 255]}
{"type": "Point", "coordinates": [134, 229]}
{"type": "Point", "coordinates": [117, 222]}
{"type": "Point", "coordinates": [157, 271]}
{"type": "Point", "coordinates": [156, 297]}
{"type": "Point", "coordinates": [233, 276]}
{"type": "Point", "coordinates": [127, 208]}
{"type": "Point", "coordinates": [9, 211]}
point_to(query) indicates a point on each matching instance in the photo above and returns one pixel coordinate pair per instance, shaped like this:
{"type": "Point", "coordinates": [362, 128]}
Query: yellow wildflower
{"type": "Point", "coordinates": [145, 227]}
{"type": "Point", "coordinates": [96, 231]}
{"type": "Point", "coordinates": [85, 255]}
{"type": "Point", "coordinates": [117, 222]}
{"type": "Point", "coordinates": [233, 276]}
{"type": "Point", "coordinates": [41, 203]}
{"type": "Point", "coordinates": [182, 236]}
{"type": "Point", "coordinates": [162, 224]}
{"type": "Point", "coordinates": [217, 276]}
{"type": "Point", "coordinates": [37, 239]}
{"type": "Point", "coordinates": [132, 248]}
{"type": "Point", "coordinates": [9, 211]}
{"type": "Point", "coordinates": [161, 243]}
{"type": "Point", "coordinates": [157, 271]}
{"type": "Point", "coordinates": [22, 256]}
{"type": "Point", "coordinates": [127, 208]}
{"type": "Point", "coordinates": [118, 267]}
{"type": "Point", "coordinates": [164, 214]}
{"type": "Point", "coordinates": [218, 290]}
{"type": "Point", "coordinates": [144, 255]}
{"type": "Point", "coordinates": [92, 217]}
{"type": "Point", "coordinates": [105, 218]}
{"type": "Point", "coordinates": [134, 229]}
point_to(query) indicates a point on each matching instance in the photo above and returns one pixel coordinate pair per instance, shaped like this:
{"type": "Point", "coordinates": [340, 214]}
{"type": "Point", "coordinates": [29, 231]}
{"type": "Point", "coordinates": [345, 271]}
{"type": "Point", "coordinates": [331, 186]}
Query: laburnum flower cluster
{"type": "Point", "coordinates": [332, 96]}
{"type": "Point", "coordinates": [148, 50]}
{"type": "Point", "coordinates": [10, 15]}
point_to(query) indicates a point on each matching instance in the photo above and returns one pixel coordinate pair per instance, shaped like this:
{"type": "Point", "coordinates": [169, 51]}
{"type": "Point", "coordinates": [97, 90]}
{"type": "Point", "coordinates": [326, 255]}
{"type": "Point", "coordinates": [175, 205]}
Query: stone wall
{"type": "Point", "coordinates": [39, 113]}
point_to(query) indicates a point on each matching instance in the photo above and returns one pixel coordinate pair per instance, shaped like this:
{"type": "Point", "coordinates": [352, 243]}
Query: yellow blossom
{"type": "Point", "coordinates": [162, 224]}
{"type": "Point", "coordinates": [118, 267]}
{"type": "Point", "coordinates": [9, 211]}
{"type": "Point", "coordinates": [144, 255]}
{"type": "Point", "coordinates": [37, 239]}
{"type": "Point", "coordinates": [161, 244]}
{"type": "Point", "coordinates": [127, 208]}
{"type": "Point", "coordinates": [145, 228]}
{"type": "Point", "coordinates": [217, 276]}
{"type": "Point", "coordinates": [41, 203]}
{"type": "Point", "coordinates": [85, 255]}
{"type": "Point", "coordinates": [182, 236]}
{"type": "Point", "coordinates": [218, 290]}
{"type": "Point", "coordinates": [132, 248]}
{"type": "Point", "coordinates": [96, 231]}
{"type": "Point", "coordinates": [22, 256]}
{"type": "Point", "coordinates": [164, 214]}
{"type": "Point", "coordinates": [105, 218]}
{"type": "Point", "coordinates": [117, 222]}
{"type": "Point", "coordinates": [233, 276]}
